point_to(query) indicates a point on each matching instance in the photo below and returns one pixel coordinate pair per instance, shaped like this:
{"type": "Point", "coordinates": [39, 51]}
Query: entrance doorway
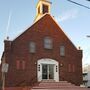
{"type": "Point", "coordinates": [47, 71]}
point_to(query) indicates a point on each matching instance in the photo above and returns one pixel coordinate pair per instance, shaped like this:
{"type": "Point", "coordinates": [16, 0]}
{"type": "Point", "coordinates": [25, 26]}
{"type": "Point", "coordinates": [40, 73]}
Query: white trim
{"type": "Point", "coordinates": [37, 21]}
{"type": "Point", "coordinates": [48, 61]}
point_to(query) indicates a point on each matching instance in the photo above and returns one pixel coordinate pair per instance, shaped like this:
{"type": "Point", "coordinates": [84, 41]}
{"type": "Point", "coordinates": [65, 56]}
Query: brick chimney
{"type": "Point", "coordinates": [7, 45]}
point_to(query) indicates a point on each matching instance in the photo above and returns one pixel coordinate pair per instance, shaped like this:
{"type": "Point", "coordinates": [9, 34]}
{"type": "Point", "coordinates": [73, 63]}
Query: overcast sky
{"type": "Point", "coordinates": [17, 15]}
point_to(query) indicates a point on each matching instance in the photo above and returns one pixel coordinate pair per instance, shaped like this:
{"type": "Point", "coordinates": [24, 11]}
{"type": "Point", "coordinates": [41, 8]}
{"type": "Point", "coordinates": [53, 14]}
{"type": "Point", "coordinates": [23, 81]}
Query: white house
{"type": "Point", "coordinates": [86, 76]}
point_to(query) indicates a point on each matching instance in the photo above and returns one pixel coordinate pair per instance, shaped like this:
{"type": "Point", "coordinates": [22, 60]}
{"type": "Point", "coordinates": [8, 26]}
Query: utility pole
{"type": "Point", "coordinates": [4, 70]}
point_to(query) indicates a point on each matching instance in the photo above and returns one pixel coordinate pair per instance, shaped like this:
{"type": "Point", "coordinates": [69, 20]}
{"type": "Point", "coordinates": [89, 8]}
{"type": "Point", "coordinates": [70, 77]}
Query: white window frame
{"type": "Point", "coordinates": [62, 50]}
{"type": "Point", "coordinates": [48, 43]}
{"type": "Point", "coordinates": [32, 47]}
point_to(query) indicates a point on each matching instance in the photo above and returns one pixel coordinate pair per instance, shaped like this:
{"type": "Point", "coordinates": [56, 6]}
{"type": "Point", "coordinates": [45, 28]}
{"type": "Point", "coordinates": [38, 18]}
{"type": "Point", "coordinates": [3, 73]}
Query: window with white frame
{"type": "Point", "coordinates": [62, 50]}
{"type": "Point", "coordinates": [32, 47]}
{"type": "Point", "coordinates": [48, 43]}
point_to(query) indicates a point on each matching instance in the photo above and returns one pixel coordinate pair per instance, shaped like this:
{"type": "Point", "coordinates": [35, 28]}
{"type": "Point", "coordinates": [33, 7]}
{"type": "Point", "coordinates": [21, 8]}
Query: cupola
{"type": "Point", "coordinates": [43, 7]}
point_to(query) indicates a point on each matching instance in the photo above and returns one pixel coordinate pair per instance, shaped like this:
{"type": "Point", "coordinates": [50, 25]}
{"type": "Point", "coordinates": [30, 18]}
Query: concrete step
{"type": "Point", "coordinates": [56, 84]}
{"type": "Point", "coordinates": [63, 89]}
{"type": "Point", "coordinates": [52, 85]}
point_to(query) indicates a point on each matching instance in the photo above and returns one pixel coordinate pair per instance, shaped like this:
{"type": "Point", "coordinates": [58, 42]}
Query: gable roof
{"type": "Point", "coordinates": [45, 17]}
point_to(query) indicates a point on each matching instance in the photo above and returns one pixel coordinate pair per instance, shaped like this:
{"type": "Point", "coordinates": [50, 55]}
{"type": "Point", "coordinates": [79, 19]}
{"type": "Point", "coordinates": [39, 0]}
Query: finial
{"type": "Point", "coordinates": [79, 48]}
{"type": "Point", "coordinates": [7, 37]}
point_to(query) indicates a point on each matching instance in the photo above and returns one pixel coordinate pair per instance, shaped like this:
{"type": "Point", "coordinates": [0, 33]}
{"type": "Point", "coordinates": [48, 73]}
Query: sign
{"type": "Point", "coordinates": [5, 67]}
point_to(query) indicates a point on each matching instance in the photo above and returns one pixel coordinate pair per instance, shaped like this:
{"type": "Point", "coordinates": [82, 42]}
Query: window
{"type": "Point", "coordinates": [45, 9]}
{"type": "Point", "coordinates": [48, 43]}
{"type": "Point", "coordinates": [32, 47]}
{"type": "Point", "coordinates": [62, 50]}
{"type": "Point", "coordinates": [73, 68]}
{"type": "Point", "coordinates": [23, 65]}
{"type": "Point", "coordinates": [69, 68]}
{"type": "Point", "coordinates": [18, 64]}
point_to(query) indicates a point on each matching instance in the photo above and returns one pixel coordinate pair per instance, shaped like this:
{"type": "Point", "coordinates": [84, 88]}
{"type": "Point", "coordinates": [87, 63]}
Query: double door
{"type": "Point", "coordinates": [47, 71]}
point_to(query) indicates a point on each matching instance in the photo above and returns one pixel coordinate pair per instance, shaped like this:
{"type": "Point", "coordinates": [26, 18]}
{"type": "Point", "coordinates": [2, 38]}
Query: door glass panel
{"type": "Point", "coordinates": [44, 71]}
{"type": "Point", "coordinates": [51, 71]}
{"type": "Point", "coordinates": [47, 71]}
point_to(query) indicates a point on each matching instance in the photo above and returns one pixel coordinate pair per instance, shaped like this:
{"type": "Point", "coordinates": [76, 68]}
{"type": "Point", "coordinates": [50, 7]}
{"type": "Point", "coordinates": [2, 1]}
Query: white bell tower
{"type": "Point", "coordinates": [43, 6]}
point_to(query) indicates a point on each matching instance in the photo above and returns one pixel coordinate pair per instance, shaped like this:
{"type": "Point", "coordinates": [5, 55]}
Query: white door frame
{"type": "Point", "coordinates": [47, 61]}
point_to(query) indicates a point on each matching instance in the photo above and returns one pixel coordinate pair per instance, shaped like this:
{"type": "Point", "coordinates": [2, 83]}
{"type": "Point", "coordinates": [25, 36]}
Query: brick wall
{"type": "Point", "coordinates": [19, 50]}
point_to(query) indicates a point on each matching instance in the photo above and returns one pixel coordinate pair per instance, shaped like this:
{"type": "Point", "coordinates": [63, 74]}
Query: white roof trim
{"type": "Point", "coordinates": [63, 32]}
{"type": "Point", "coordinates": [37, 21]}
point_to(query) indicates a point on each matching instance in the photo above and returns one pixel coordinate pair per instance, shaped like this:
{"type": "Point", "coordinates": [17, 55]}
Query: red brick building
{"type": "Point", "coordinates": [42, 52]}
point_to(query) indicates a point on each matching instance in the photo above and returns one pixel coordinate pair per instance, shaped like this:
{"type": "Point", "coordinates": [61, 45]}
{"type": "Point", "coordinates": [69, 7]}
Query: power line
{"type": "Point", "coordinates": [88, 36]}
{"type": "Point", "coordinates": [79, 4]}
{"type": "Point", "coordinates": [88, 0]}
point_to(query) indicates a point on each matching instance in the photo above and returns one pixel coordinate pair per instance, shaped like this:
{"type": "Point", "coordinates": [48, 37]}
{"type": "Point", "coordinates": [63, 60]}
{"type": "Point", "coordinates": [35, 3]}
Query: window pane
{"type": "Point", "coordinates": [62, 51]}
{"type": "Point", "coordinates": [48, 43]}
{"type": "Point", "coordinates": [18, 64]}
{"type": "Point", "coordinates": [23, 65]}
{"type": "Point", "coordinates": [69, 68]}
{"type": "Point", "coordinates": [32, 47]}
{"type": "Point", "coordinates": [73, 67]}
